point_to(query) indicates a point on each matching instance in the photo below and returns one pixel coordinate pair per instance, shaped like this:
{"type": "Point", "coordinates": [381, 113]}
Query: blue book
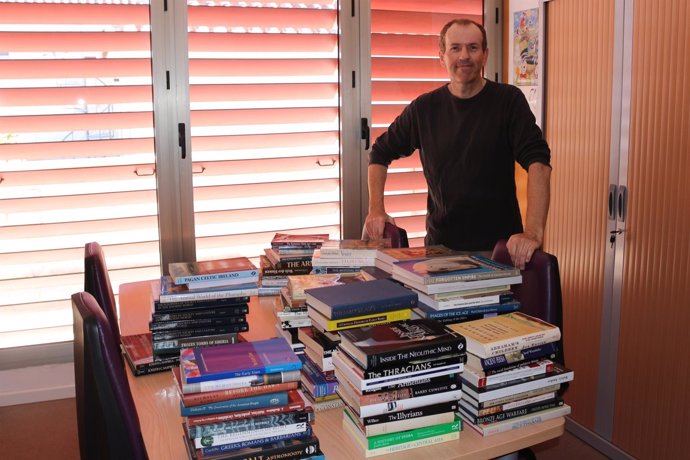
{"type": "Point", "coordinates": [358, 299]}
{"type": "Point", "coordinates": [237, 404]}
{"type": "Point", "coordinates": [229, 269]}
{"type": "Point", "coordinates": [255, 442]}
{"type": "Point", "coordinates": [453, 268]}
{"type": "Point", "coordinates": [240, 359]}
{"type": "Point", "coordinates": [315, 381]}
{"type": "Point", "coordinates": [427, 312]}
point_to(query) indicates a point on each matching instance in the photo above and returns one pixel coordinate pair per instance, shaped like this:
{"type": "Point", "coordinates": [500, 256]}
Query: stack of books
{"type": "Point", "coordinates": [400, 383]}
{"type": "Point", "coordinates": [347, 256]}
{"type": "Point", "coordinates": [199, 304]}
{"type": "Point", "coordinates": [460, 287]}
{"type": "Point", "coordinates": [242, 400]}
{"type": "Point", "coordinates": [510, 379]}
{"type": "Point", "coordinates": [289, 254]}
{"type": "Point", "coordinates": [319, 385]}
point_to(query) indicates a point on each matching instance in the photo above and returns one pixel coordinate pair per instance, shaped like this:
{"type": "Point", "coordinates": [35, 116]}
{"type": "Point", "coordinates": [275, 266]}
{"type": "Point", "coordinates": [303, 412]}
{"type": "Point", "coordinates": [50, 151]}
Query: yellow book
{"type": "Point", "coordinates": [506, 333]}
{"type": "Point", "coordinates": [357, 321]}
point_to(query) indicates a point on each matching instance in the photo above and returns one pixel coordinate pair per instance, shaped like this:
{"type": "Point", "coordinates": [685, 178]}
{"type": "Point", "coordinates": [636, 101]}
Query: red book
{"type": "Point", "coordinates": [206, 397]}
{"type": "Point", "coordinates": [296, 401]}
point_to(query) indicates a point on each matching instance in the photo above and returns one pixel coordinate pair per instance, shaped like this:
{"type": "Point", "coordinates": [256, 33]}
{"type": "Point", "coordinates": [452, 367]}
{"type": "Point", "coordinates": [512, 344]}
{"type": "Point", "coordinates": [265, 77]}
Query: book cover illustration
{"type": "Point", "coordinates": [421, 252]}
{"type": "Point", "coordinates": [454, 268]}
{"type": "Point", "coordinates": [238, 360]}
{"type": "Point", "coordinates": [230, 268]}
{"type": "Point", "coordinates": [289, 240]}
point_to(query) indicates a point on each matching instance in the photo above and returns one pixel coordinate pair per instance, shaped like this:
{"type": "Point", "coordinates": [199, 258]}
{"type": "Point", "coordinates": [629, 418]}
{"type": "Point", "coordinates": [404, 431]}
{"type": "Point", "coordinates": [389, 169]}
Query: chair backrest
{"type": "Point", "coordinates": [398, 235]}
{"type": "Point", "coordinates": [539, 293]}
{"type": "Point", "coordinates": [97, 283]}
{"type": "Point", "coordinates": [106, 416]}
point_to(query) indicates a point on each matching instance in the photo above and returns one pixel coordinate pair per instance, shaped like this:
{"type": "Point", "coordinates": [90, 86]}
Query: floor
{"type": "Point", "coordinates": [34, 430]}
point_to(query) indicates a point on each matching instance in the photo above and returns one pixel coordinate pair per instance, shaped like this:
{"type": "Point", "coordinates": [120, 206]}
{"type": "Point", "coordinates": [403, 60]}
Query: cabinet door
{"type": "Point", "coordinates": [651, 397]}
{"type": "Point", "coordinates": [577, 126]}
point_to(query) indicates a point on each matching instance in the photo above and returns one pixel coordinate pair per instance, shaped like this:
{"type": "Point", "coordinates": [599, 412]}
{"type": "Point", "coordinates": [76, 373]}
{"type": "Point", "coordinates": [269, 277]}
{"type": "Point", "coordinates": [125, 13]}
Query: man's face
{"type": "Point", "coordinates": [464, 57]}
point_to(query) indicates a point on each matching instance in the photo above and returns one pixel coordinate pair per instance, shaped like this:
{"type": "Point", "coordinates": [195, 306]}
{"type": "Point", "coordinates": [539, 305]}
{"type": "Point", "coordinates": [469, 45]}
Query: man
{"type": "Point", "coordinates": [469, 134]}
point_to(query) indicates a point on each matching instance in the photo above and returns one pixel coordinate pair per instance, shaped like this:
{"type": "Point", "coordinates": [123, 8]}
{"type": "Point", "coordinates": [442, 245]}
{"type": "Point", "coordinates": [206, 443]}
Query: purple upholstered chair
{"type": "Point", "coordinates": [97, 283]}
{"type": "Point", "coordinates": [539, 293]}
{"type": "Point", "coordinates": [106, 416]}
{"type": "Point", "coordinates": [397, 235]}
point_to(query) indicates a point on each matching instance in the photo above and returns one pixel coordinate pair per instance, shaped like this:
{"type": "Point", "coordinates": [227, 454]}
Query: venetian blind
{"type": "Point", "coordinates": [264, 122]}
{"type": "Point", "coordinates": [405, 64]}
{"type": "Point", "coordinates": [76, 157]}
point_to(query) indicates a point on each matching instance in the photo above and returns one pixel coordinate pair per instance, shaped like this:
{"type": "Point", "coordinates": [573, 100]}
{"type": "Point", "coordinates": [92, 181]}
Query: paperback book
{"type": "Point", "coordinates": [173, 346]}
{"type": "Point", "coordinates": [450, 269]}
{"type": "Point", "coordinates": [357, 321]}
{"type": "Point", "coordinates": [240, 359]}
{"type": "Point", "coordinates": [236, 404]}
{"type": "Point", "coordinates": [385, 258]}
{"type": "Point", "coordinates": [457, 301]}
{"type": "Point", "coordinates": [508, 361]}
{"type": "Point", "coordinates": [352, 248]}
{"type": "Point", "coordinates": [293, 449]}
{"type": "Point", "coordinates": [457, 286]}
{"type": "Point", "coordinates": [250, 424]}
{"type": "Point", "coordinates": [317, 382]}
{"type": "Point", "coordinates": [409, 341]}
{"type": "Point", "coordinates": [138, 352]}
{"type": "Point", "coordinates": [220, 310]}
{"type": "Point", "coordinates": [365, 298]}
{"type": "Point", "coordinates": [172, 295]}
{"type": "Point", "coordinates": [487, 429]}
{"type": "Point", "coordinates": [505, 334]}
{"type": "Point", "coordinates": [240, 382]}
{"type": "Point", "coordinates": [228, 269]}
{"type": "Point", "coordinates": [460, 314]}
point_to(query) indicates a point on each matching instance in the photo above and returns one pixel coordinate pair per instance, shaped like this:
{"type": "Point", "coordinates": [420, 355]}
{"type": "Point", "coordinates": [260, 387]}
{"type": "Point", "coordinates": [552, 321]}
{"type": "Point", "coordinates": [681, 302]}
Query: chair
{"type": "Point", "coordinates": [106, 416]}
{"type": "Point", "coordinates": [97, 283]}
{"type": "Point", "coordinates": [539, 293]}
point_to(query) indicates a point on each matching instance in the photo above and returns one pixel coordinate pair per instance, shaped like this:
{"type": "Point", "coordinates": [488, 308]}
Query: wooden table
{"type": "Point", "coordinates": [158, 406]}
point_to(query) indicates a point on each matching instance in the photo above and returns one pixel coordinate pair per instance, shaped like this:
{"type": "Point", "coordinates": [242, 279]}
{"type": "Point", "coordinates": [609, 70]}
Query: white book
{"type": "Point", "coordinates": [353, 373]}
{"type": "Point", "coordinates": [459, 301]}
{"type": "Point", "coordinates": [249, 435]}
{"type": "Point", "coordinates": [409, 403]}
{"type": "Point", "coordinates": [471, 409]}
{"type": "Point", "coordinates": [558, 376]}
{"type": "Point", "coordinates": [487, 429]}
{"type": "Point", "coordinates": [479, 379]}
{"type": "Point", "coordinates": [458, 285]}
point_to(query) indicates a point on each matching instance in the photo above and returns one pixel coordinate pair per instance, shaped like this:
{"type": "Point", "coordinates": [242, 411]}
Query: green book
{"type": "Point", "coordinates": [391, 439]}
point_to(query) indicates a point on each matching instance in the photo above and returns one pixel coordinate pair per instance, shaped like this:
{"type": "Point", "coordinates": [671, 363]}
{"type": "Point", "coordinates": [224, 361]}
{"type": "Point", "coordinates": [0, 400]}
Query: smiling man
{"type": "Point", "coordinates": [469, 132]}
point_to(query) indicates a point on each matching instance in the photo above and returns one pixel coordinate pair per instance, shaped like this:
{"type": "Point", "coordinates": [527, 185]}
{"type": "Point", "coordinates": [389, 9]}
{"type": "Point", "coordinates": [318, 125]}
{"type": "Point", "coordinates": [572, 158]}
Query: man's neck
{"type": "Point", "coordinates": [466, 91]}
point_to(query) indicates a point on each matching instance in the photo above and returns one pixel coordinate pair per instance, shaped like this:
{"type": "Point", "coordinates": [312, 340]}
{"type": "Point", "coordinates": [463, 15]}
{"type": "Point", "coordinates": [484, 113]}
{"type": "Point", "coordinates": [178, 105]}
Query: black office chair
{"type": "Point", "coordinates": [97, 283]}
{"type": "Point", "coordinates": [107, 419]}
{"type": "Point", "coordinates": [539, 293]}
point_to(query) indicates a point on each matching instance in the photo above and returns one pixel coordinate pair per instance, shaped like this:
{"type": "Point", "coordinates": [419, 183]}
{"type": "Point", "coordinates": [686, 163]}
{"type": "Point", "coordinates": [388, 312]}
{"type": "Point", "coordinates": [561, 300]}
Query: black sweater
{"type": "Point", "coordinates": [468, 149]}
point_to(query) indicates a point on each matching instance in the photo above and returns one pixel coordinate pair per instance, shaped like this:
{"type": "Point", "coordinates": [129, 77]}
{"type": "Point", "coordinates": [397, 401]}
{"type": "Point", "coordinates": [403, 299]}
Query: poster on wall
{"type": "Point", "coordinates": [525, 55]}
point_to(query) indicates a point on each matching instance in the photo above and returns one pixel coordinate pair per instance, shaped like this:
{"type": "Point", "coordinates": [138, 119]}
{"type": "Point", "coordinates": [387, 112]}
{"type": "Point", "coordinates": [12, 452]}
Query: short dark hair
{"type": "Point", "coordinates": [460, 22]}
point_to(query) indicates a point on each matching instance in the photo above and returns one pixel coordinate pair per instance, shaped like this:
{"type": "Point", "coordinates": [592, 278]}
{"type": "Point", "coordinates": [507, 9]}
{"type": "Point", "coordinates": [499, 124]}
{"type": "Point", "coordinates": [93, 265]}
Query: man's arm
{"type": "Point", "coordinates": [522, 245]}
{"type": "Point", "coordinates": [377, 217]}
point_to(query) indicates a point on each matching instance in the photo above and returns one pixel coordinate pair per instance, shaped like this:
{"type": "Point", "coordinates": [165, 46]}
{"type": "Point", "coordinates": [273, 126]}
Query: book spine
{"type": "Point", "coordinates": [480, 380]}
{"type": "Point", "coordinates": [500, 362]}
{"type": "Point", "coordinates": [245, 436]}
{"type": "Point", "coordinates": [286, 271]}
{"type": "Point", "coordinates": [247, 424]}
{"type": "Point", "coordinates": [423, 411]}
{"type": "Point", "coordinates": [409, 392]}
{"type": "Point", "coordinates": [519, 422]}
{"type": "Point", "coordinates": [452, 345]}
{"type": "Point", "coordinates": [409, 424]}
{"type": "Point", "coordinates": [214, 450]}
{"type": "Point", "coordinates": [512, 413]}
{"type": "Point", "coordinates": [180, 297]}
{"type": "Point", "coordinates": [222, 417]}
{"type": "Point", "coordinates": [471, 311]}
{"type": "Point", "coordinates": [151, 368]}
{"type": "Point", "coordinates": [396, 315]}
{"type": "Point", "coordinates": [429, 441]}
{"type": "Point", "coordinates": [469, 277]}
{"type": "Point", "coordinates": [239, 382]}
{"type": "Point", "coordinates": [156, 326]}
{"type": "Point", "coordinates": [515, 397]}
{"type": "Point", "coordinates": [264, 400]}
{"type": "Point", "coordinates": [207, 397]}
{"type": "Point", "coordinates": [516, 344]}
{"type": "Point", "coordinates": [240, 274]}
{"type": "Point", "coordinates": [481, 395]}
{"type": "Point", "coordinates": [383, 306]}
{"type": "Point", "coordinates": [343, 262]}
{"type": "Point", "coordinates": [471, 409]}
{"type": "Point", "coordinates": [317, 380]}
{"type": "Point", "coordinates": [166, 347]}
{"type": "Point", "coordinates": [403, 368]}
{"type": "Point", "coordinates": [219, 311]}
{"type": "Point", "coordinates": [410, 403]}
{"type": "Point", "coordinates": [390, 439]}
{"type": "Point", "coordinates": [296, 449]}
{"type": "Point", "coordinates": [212, 330]}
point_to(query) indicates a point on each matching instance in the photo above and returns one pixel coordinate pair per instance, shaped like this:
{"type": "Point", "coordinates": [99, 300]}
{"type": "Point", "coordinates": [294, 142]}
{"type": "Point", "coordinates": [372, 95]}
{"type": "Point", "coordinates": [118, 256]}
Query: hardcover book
{"type": "Point", "coordinates": [450, 269]}
{"type": "Point", "coordinates": [352, 248]}
{"type": "Point", "coordinates": [219, 310]}
{"type": "Point", "coordinates": [357, 321]}
{"type": "Point", "coordinates": [456, 286]}
{"type": "Point", "coordinates": [401, 342]}
{"type": "Point", "coordinates": [317, 382]}
{"type": "Point", "coordinates": [292, 449]}
{"type": "Point", "coordinates": [461, 301]}
{"type": "Point", "coordinates": [365, 298]}
{"type": "Point", "coordinates": [288, 240]}
{"type": "Point", "coordinates": [238, 360]}
{"type": "Point", "coordinates": [297, 285]}
{"type": "Point", "coordinates": [506, 333]}
{"type": "Point", "coordinates": [249, 424]}
{"type": "Point", "coordinates": [220, 269]}
{"type": "Point", "coordinates": [138, 352]}
{"type": "Point", "coordinates": [229, 405]}
{"type": "Point", "coordinates": [510, 360]}
{"type": "Point", "coordinates": [392, 255]}
{"type": "Point", "coordinates": [459, 314]}
{"type": "Point", "coordinates": [166, 347]}
{"type": "Point", "coordinates": [487, 429]}
{"type": "Point", "coordinates": [172, 295]}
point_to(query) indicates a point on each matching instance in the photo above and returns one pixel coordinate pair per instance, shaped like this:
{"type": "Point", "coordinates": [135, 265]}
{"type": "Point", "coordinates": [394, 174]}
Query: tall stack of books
{"type": "Point", "coordinates": [510, 379]}
{"type": "Point", "coordinates": [289, 254]}
{"type": "Point", "coordinates": [199, 304]}
{"type": "Point", "coordinates": [347, 256]}
{"type": "Point", "coordinates": [400, 383]}
{"type": "Point", "coordinates": [242, 400]}
{"type": "Point", "coordinates": [459, 288]}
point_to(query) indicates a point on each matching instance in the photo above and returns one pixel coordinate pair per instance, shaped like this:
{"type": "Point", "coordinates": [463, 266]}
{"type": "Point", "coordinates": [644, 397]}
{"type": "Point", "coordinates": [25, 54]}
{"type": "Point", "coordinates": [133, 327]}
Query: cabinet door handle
{"type": "Point", "coordinates": [613, 189]}
{"type": "Point", "coordinates": [622, 203]}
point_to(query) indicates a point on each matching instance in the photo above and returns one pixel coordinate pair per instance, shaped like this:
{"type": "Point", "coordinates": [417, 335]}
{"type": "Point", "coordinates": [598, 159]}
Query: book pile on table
{"type": "Point", "coordinates": [460, 287]}
{"type": "Point", "coordinates": [199, 304]}
{"type": "Point", "coordinates": [346, 256]}
{"type": "Point", "coordinates": [400, 383]}
{"type": "Point", "coordinates": [289, 254]}
{"type": "Point", "coordinates": [242, 401]}
{"type": "Point", "coordinates": [510, 379]}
